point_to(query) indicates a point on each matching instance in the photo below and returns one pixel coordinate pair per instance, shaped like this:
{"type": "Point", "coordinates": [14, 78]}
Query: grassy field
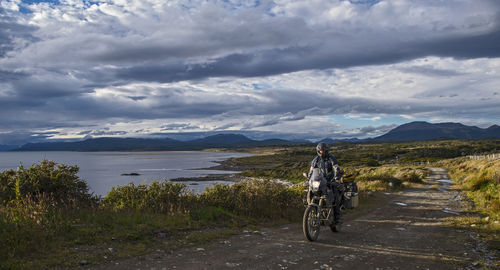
{"type": "Point", "coordinates": [479, 180]}
{"type": "Point", "coordinates": [48, 218]}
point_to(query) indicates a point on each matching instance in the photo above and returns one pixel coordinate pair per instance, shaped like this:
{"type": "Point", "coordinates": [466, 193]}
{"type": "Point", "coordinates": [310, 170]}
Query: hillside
{"type": "Point", "coordinates": [420, 131]}
{"type": "Point", "coordinates": [138, 144]}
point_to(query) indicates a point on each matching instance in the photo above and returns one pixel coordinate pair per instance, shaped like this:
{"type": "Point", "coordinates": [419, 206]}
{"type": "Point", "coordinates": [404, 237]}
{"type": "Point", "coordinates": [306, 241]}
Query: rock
{"type": "Point", "coordinates": [200, 249]}
{"type": "Point", "coordinates": [84, 262]}
{"type": "Point", "coordinates": [112, 250]}
{"type": "Point", "coordinates": [242, 251]}
{"type": "Point", "coordinates": [131, 174]}
{"type": "Point", "coordinates": [228, 264]}
{"type": "Point", "coordinates": [326, 266]}
{"type": "Point", "coordinates": [162, 235]}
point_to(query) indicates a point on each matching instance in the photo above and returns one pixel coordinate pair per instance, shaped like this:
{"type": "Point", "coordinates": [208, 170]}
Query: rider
{"type": "Point", "coordinates": [329, 166]}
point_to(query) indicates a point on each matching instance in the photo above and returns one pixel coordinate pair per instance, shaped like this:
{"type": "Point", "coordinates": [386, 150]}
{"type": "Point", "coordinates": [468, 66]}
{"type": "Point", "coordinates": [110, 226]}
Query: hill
{"type": "Point", "coordinates": [4, 147]}
{"type": "Point", "coordinates": [138, 144]}
{"type": "Point", "coordinates": [420, 131]}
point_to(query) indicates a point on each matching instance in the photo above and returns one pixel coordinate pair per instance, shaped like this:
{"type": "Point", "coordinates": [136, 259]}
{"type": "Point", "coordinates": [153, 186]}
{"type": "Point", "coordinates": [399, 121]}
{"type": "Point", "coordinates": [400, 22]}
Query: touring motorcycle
{"type": "Point", "coordinates": [320, 201]}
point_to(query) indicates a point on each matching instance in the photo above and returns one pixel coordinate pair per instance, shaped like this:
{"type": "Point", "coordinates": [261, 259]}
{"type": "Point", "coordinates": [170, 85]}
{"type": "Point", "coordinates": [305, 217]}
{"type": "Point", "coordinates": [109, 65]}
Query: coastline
{"type": "Point", "coordinates": [225, 165]}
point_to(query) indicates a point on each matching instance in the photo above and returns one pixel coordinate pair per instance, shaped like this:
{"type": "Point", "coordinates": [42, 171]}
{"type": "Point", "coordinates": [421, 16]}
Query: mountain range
{"type": "Point", "coordinates": [414, 131]}
{"type": "Point", "coordinates": [141, 144]}
{"type": "Point", "coordinates": [421, 131]}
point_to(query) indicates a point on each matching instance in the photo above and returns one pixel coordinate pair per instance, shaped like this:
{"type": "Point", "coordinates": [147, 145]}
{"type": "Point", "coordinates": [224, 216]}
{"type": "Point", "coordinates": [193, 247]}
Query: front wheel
{"type": "Point", "coordinates": [311, 223]}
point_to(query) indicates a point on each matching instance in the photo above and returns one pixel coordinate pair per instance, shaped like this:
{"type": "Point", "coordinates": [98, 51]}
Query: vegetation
{"type": "Point", "coordinates": [48, 218]}
{"type": "Point", "coordinates": [289, 163]}
{"type": "Point", "coordinates": [46, 210]}
{"type": "Point", "coordinates": [480, 179]}
{"type": "Point", "coordinates": [480, 182]}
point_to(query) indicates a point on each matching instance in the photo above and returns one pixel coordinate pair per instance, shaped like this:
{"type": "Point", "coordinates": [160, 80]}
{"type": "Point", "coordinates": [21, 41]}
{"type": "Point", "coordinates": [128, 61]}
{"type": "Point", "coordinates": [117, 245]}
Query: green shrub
{"type": "Point", "coordinates": [256, 198]}
{"type": "Point", "coordinates": [164, 196]}
{"type": "Point", "coordinates": [60, 181]}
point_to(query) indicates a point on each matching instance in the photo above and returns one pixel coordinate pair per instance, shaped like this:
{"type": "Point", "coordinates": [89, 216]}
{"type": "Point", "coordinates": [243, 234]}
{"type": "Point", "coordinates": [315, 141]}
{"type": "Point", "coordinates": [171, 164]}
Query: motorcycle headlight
{"type": "Point", "coordinates": [315, 184]}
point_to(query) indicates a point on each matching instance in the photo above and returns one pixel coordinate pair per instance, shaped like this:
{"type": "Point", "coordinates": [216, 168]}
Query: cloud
{"type": "Point", "coordinates": [148, 66]}
{"type": "Point", "coordinates": [20, 137]}
{"type": "Point", "coordinates": [13, 34]}
{"type": "Point", "coordinates": [104, 132]}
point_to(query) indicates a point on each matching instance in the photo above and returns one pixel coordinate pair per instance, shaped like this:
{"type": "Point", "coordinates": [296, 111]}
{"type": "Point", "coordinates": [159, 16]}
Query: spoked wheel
{"type": "Point", "coordinates": [311, 223]}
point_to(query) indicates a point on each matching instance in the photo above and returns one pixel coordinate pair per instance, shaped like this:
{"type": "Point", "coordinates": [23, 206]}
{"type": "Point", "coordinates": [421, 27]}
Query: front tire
{"type": "Point", "coordinates": [311, 223]}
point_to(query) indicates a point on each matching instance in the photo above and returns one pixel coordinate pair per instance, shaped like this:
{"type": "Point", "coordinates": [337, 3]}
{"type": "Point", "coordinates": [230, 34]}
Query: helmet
{"type": "Point", "coordinates": [324, 147]}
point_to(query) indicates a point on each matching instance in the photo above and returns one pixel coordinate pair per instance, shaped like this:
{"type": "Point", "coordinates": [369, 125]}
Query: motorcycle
{"type": "Point", "coordinates": [320, 201]}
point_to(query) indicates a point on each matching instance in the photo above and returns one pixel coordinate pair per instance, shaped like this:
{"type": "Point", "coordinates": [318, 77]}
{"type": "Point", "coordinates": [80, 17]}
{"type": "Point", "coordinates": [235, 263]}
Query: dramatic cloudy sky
{"type": "Point", "coordinates": [319, 68]}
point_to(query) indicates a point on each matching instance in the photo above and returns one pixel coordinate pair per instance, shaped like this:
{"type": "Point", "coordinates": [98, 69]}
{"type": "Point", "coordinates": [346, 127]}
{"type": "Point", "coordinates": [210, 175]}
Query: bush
{"type": "Point", "coordinates": [164, 196]}
{"type": "Point", "coordinates": [256, 198]}
{"type": "Point", "coordinates": [59, 181]}
{"type": "Point", "coordinates": [389, 177]}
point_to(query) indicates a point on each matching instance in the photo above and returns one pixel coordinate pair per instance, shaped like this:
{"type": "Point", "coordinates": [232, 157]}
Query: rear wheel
{"type": "Point", "coordinates": [311, 223]}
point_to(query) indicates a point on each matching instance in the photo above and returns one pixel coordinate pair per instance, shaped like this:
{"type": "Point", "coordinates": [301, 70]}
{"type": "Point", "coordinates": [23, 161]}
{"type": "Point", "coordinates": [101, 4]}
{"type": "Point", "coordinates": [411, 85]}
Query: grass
{"type": "Point", "coordinates": [44, 230]}
{"type": "Point", "coordinates": [48, 219]}
{"type": "Point", "coordinates": [480, 182]}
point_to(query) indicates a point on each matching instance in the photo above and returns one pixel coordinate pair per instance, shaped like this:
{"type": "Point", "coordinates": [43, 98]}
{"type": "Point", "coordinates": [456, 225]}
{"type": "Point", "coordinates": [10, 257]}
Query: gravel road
{"type": "Point", "coordinates": [404, 230]}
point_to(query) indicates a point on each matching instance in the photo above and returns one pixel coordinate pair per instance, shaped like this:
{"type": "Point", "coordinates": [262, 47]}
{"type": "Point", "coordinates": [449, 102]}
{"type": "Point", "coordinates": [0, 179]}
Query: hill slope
{"type": "Point", "coordinates": [418, 131]}
{"type": "Point", "coordinates": [138, 144]}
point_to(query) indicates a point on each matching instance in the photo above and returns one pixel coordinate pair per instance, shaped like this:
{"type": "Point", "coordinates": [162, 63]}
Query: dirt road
{"type": "Point", "coordinates": [404, 231]}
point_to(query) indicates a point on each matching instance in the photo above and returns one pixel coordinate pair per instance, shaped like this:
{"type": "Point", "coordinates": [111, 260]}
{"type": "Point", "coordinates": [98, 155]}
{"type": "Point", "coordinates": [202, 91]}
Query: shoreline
{"type": "Point", "coordinates": [225, 165]}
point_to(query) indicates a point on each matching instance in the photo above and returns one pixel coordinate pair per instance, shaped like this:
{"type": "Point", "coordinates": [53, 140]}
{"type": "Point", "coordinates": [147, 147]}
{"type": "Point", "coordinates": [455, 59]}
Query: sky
{"type": "Point", "coordinates": [72, 69]}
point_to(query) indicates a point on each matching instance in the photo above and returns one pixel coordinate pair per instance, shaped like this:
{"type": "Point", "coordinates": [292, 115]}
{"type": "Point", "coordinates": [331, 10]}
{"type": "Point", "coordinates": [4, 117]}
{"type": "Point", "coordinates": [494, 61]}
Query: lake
{"type": "Point", "coordinates": [103, 170]}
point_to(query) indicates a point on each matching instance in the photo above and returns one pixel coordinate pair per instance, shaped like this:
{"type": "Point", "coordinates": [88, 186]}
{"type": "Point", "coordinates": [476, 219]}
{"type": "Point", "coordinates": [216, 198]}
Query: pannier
{"type": "Point", "coordinates": [350, 192]}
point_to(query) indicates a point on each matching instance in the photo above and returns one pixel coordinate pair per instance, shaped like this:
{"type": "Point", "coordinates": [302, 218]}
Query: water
{"type": "Point", "coordinates": [103, 170]}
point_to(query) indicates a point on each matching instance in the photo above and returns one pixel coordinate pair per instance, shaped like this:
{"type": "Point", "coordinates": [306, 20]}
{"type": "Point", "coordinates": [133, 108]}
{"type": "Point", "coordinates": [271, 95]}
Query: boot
{"type": "Point", "coordinates": [338, 219]}
{"type": "Point", "coordinates": [337, 216]}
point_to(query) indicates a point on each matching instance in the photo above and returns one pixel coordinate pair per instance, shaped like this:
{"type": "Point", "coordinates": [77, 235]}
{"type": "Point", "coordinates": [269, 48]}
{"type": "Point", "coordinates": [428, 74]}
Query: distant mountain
{"type": "Point", "coordinates": [4, 147]}
{"type": "Point", "coordinates": [223, 139]}
{"type": "Point", "coordinates": [138, 144]}
{"type": "Point", "coordinates": [419, 131]}
{"type": "Point", "coordinates": [106, 144]}
{"type": "Point", "coordinates": [330, 140]}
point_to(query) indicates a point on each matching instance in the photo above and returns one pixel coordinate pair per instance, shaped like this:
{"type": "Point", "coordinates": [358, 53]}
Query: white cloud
{"type": "Point", "coordinates": [262, 65]}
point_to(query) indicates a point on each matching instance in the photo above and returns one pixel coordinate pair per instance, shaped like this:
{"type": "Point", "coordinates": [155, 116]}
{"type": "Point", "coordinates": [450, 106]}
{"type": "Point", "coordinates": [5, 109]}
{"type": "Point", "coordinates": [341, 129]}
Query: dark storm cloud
{"type": "Point", "coordinates": [278, 61]}
{"type": "Point", "coordinates": [85, 66]}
